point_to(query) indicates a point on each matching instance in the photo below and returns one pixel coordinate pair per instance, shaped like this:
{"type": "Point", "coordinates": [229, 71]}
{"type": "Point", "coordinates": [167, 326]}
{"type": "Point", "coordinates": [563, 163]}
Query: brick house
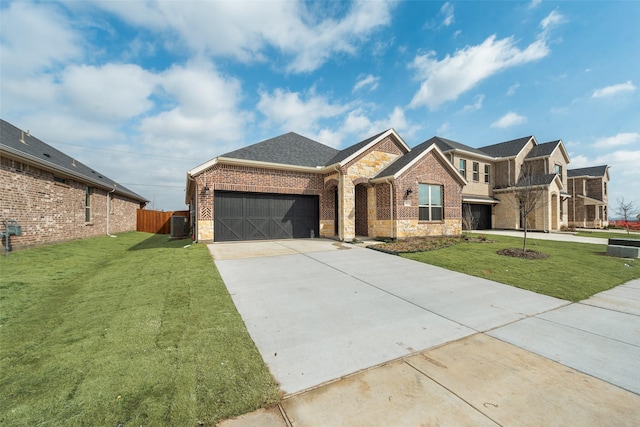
{"type": "Point", "coordinates": [55, 197]}
{"type": "Point", "coordinates": [588, 206]}
{"type": "Point", "coordinates": [291, 186]}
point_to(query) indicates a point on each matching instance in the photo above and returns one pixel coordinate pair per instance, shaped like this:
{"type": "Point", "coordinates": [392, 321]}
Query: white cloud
{"type": "Point", "coordinates": [203, 110]}
{"type": "Point", "coordinates": [614, 90]}
{"type": "Point", "coordinates": [236, 30]}
{"type": "Point", "coordinates": [444, 129]}
{"type": "Point", "coordinates": [446, 79]}
{"type": "Point", "coordinates": [624, 138]}
{"type": "Point", "coordinates": [534, 3]}
{"type": "Point", "coordinates": [508, 120]}
{"type": "Point", "coordinates": [368, 80]}
{"type": "Point", "coordinates": [35, 37]}
{"type": "Point", "coordinates": [551, 21]}
{"type": "Point", "coordinates": [512, 89]}
{"type": "Point", "coordinates": [476, 105]}
{"type": "Point", "coordinates": [293, 111]}
{"type": "Point", "coordinates": [110, 92]}
{"type": "Point", "coordinates": [447, 11]}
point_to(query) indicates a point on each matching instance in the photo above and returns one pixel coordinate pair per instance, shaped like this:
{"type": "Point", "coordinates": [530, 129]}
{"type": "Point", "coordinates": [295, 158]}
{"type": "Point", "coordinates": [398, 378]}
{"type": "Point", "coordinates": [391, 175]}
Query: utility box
{"type": "Point", "coordinates": [179, 226]}
{"type": "Point", "coordinates": [11, 228]}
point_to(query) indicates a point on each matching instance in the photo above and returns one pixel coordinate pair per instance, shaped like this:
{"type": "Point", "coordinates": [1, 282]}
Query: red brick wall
{"type": "Point", "coordinates": [256, 180]}
{"type": "Point", "coordinates": [51, 212]}
{"type": "Point", "coordinates": [430, 170]}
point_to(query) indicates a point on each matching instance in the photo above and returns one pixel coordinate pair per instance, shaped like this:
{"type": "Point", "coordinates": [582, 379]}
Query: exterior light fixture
{"type": "Point", "coordinates": [409, 191]}
{"type": "Point", "coordinates": [206, 190]}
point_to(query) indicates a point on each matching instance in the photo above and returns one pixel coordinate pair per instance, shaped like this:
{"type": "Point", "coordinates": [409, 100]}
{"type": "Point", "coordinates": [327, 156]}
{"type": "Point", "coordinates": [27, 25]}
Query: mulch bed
{"type": "Point", "coordinates": [424, 244]}
{"type": "Point", "coordinates": [519, 253]}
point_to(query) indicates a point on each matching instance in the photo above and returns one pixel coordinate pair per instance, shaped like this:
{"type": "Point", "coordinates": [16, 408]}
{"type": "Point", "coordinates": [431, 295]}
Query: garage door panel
{"type": "Point", "coordinates": [281, 229]}
{"type": "Point", "coordinates": [258, 216]}
{"type": "Point", "coordinates": [229, 229]}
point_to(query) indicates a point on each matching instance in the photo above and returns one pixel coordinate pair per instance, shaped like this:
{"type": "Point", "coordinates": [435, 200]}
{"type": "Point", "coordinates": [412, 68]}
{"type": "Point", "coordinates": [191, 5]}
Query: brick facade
{"type": "Point", "coordinates": [364, 209]}
{"type": "Point", "coordinates": [224, 177]}
{"type": "Point", "coordinates": [50, 211]}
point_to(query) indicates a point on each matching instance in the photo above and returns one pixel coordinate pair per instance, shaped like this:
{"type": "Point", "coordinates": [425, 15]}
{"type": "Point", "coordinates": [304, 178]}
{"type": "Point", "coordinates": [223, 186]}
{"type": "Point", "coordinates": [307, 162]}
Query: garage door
{"type": "Point", "coordinates": [480, 213]}
{"type": "Point", "coordinates": [257, 216]}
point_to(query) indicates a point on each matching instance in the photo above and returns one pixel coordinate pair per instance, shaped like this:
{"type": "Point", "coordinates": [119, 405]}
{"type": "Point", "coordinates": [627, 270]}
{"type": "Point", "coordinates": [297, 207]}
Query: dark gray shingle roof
{"type": "Point", "coordinates": [590, 171]}
{"type": "Point", "coordinates": [36, 150]}
{"type": "Point", "coordinates": [543, 150]}
{"type": "Point", "coordinates": [288, 149]}
{"type": "Point", "coordinates": [343, 154]}
{"type": "Point", "coordinates": [536, 180]}
{"type": "Point", "coordinates": [507, 148]}
{"type": "Point", "coordinates": [448, 145]}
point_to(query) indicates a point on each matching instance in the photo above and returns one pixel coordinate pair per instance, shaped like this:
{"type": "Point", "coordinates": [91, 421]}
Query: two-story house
{"type": "Point", "coordinates": [496, 175]}
{"type": "Point", "coordinates": [589, 198]}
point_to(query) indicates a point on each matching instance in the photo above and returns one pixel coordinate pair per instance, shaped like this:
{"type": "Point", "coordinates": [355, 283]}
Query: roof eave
{"type": "Point", "coordinates": [471, 153]}
{"type": "Point", "coordinates": [52, 167]}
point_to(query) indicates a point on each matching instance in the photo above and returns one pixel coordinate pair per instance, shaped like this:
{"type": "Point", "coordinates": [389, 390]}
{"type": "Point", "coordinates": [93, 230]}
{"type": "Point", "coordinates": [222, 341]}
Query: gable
{"type": "Point", "coordinates": [415, 157]}
{"type": "Point", "coordinates": [387, 142]}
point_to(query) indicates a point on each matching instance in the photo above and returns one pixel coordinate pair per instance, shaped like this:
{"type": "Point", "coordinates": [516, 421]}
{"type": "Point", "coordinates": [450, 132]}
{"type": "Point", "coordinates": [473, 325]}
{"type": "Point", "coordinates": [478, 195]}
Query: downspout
{"type": "Point", "coordinates": [340, 213]}
{"type": "Point", "coordinates": [391, 207]}
{"type": "Point", "coordinates": [194, 225]}
{"type": "Point", "coordinates": [109, 210]}
{"type": "Point", "coordinates": [573, 203]}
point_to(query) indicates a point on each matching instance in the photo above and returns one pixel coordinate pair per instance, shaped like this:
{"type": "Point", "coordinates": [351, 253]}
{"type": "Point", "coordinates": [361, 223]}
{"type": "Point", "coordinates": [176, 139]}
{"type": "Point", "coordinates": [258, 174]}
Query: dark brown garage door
{"type": "Point", "coordinates": [257, 216]}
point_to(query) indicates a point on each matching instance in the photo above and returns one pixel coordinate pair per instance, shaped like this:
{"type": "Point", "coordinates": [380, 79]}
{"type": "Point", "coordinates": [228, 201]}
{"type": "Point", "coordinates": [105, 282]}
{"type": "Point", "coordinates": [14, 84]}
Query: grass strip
{"type": "Point", "coordinates": [137, 330]}
{"type": "Point", "coordinates": [573, 271]}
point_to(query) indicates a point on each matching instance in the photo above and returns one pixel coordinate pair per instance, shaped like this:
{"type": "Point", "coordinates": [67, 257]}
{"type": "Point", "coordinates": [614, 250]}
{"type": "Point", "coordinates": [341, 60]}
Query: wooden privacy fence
{"type": "Point", "coordinates": [158, 222]}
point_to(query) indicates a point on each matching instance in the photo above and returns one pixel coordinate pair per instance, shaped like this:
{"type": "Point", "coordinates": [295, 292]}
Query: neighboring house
{"type": "Point", "coordinates": [291, 186]}
{"type": "Point", "coordinates": [497, 174]}
{"type": "Point", "coordinates": [589, 203]}
{"type": "Point", "coordinates": [55, 197]}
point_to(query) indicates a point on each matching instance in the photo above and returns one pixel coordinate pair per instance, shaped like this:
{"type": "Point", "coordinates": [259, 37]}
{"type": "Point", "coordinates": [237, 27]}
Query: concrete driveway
{"type": "Point", "coordinates": [320, 310]}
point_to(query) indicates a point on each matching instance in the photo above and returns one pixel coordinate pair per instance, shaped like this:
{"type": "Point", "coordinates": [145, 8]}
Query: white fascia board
{"type": "Point", "coordinates": [390, 131]}
{"type": "Point", "coordinates": [203, 167]}
{"type": "Point", "coordinates": [471, 154]}
{"type": "Point", "coordinates": [256, 164]}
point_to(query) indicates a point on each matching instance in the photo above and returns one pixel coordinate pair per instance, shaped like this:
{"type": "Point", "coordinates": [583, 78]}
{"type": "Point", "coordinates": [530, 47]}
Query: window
{"type": "Point", "coordinates": [87, 204]}
{"type": "Point", "coordinates": [463, 168]}
{"type": "Point", "coordinates": [558, 170]}
{"type": "Point", "coordinates": [487, 171]}
{"type": "Point", "coordinates": [430, 202]}
{"type": "Point", "coordinates": [605, 188]}
{"type": "Point", "coordinates": [476, 171]}
{"type": "Point", "coordinates": [59, 180]}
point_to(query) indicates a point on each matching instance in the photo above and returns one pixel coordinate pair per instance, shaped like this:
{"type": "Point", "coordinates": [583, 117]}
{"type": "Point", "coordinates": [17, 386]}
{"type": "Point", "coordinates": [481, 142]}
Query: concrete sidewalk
{"type": "Point", "coordinates": [557, 236]}
{"type": "Point", "coordinates": [446, 348]}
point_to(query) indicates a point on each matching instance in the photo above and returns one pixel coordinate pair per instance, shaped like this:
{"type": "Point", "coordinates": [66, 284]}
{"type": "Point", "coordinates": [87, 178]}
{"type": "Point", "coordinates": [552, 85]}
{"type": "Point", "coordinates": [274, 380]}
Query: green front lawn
{"type": "Point", "coordinates": [135, 330]}
{"type": "Point", "coordinates": [573, 271]}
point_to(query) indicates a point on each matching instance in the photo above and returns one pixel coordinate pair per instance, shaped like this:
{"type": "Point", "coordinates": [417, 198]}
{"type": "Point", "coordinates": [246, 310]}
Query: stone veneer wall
{"type": "Point", "coordinates": [365, 166]}
{"type": "Point", "coordinates": [51, 212]}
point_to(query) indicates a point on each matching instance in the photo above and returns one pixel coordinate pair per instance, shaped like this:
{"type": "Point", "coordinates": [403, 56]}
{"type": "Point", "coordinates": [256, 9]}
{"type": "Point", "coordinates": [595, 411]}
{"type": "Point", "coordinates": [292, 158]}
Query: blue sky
{"type": "Point", "coordinates": [143, 91]}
